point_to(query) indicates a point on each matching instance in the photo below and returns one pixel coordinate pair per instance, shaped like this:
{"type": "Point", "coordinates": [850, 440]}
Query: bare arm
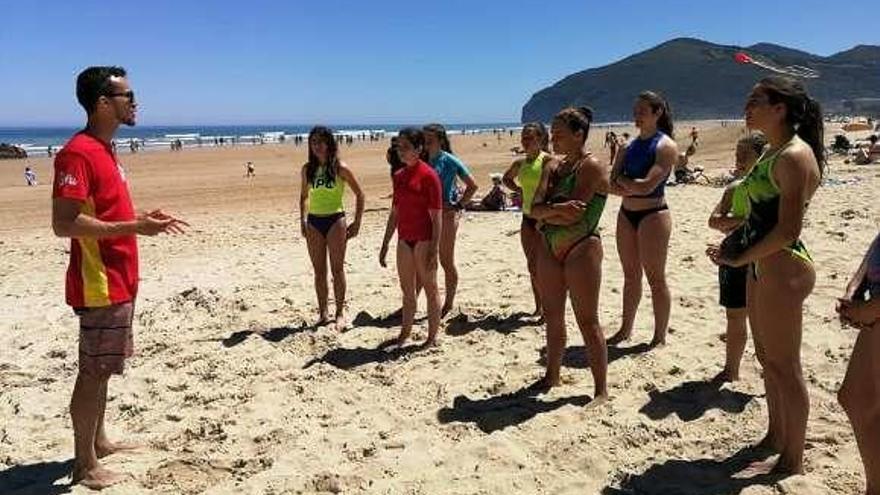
{"type": "Point", "coordinates": [509, 179]}
{"type": "Point", "coordinates": [667, 156]}
{"type": "Point", "coordinates": [859, 275]}
{"type": "Point", "coordinates": [541, 210]}
{"type": "Point", "coordinates": [390, 227]}
{"type": "Point", "coordinates": [469, 191]}
{"type": "Point", "coordinates": [352, 181]}
{"type": "Point", "coordinates": [792, 174]}
{"type": "Point", "coordinates": [615, 174]}
{"type": "Point", "coordinates": [69, 221]}
{"type": "Point", "coordinates": [720, 218]}
{"type": "Point", "coordinates": [303, 200]}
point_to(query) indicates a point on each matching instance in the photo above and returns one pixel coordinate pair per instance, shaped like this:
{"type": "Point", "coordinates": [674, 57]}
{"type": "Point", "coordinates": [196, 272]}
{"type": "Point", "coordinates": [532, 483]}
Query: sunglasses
{"type": "Point", "coordinates": [128, 94]}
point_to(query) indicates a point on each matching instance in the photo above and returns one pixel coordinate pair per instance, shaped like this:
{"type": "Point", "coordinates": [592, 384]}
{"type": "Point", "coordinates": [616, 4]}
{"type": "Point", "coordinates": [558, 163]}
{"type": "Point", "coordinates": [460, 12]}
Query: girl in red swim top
{"type": "Point", "coordinates": [416, 213]}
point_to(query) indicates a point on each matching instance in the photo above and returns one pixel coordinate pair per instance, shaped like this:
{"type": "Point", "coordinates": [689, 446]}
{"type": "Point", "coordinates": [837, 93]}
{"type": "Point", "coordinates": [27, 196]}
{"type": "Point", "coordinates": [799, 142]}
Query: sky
{"type": "Point", "coordinates": [361, 62]}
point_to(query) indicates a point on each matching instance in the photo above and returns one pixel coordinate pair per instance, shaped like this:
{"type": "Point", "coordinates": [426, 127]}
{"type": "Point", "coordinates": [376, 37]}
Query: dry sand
{"type": "Point", "coordinates": [232, 390]}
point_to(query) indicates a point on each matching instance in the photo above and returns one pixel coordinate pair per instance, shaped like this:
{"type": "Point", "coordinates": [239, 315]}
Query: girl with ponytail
{"type": "Point", "coordinates": [644, 223]}
{"type": "Point", "coordinates": [779, 188]}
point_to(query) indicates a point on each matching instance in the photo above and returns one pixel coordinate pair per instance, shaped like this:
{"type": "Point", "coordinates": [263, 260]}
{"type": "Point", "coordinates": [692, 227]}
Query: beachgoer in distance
{"type": "Point", "coordinates": [644, 223]}
{"type": "Point", "coordinates": [523, 177]}
{"type": "Point", "coordinates": [450, 169]}
{"type": "Point", "coordinates": [568, 206]}
{"type": "Point", "coordinates": [322, 218]}
{"type": "Point", "coordinates": [416, 215]}
{"type": "Point", "coordinates": [30, 177]}
{"type": "Point", "coordinates": [779, 188]}
{"type": "Point", "coordinates": [91, 205]}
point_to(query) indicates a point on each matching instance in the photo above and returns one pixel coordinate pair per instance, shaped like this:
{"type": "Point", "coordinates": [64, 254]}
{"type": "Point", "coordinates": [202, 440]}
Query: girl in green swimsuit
{"type": "Point", "coordinates": [779, 187]}
{"type": "Point", "coordinates": [524, 176]}
{"type": "Point", "coordinates": [568, 205]}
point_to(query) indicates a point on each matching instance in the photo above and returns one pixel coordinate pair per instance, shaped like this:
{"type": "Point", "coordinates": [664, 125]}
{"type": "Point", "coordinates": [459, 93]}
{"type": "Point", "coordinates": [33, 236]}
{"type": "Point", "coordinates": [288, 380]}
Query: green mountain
{"type": "Point", "coordinates": [702, 80]}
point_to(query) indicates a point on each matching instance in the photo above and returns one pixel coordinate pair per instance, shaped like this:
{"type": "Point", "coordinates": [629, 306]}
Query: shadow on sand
{"type": "Point", "coordinates": [38, 478]}
{"type": "Point", "coordinates": [577, 357]}
{"type": "Point", "coordinates": [691, 400]}
{"type": "Point", "coordinates": [696, 477]}
{"type": "Point", "coordinates": [501, 411]}
{"type": "Point", "coordinates": [462, 324]}
{"type": "Point", "coordinates": [346, 359]}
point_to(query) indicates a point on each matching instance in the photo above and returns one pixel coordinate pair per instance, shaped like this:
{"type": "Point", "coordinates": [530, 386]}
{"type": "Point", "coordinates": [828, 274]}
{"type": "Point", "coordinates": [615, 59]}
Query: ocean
{"type": "Point", "coordinates": [37, 140]}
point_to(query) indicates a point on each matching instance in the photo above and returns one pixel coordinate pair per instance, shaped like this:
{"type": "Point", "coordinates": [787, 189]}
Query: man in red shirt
{"type": "Point", "coordinates": [91, 205]}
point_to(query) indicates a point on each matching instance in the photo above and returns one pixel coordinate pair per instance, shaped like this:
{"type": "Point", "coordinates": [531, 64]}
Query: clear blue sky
{"type": "Point", "coordinates": [363, 61]}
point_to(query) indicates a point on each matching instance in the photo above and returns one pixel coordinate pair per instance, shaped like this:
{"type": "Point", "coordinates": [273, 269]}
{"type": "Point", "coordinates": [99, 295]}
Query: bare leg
{"type": "Point", "coordinates": [336, 245]}
{"type": "Point", "coordinates": [427, 278]}
{"type": "Point", "coordinates": [736, 343]}
{"type": "Point", "coordinates": [406, 272]}
{"type": "Point", "coordinates": [529, 237]}
{"type": "Point", "coordinates": [784, 283]}
{"type": "Point", "coordinates": [653, 245]}
{"type": "Point", "coordinates": [583, 276]}
{"type": "Point", "coordinates": [85, 411]}
{"type": "Point", "coordinates": [774, 439]}
{"type": "Point", "coordinates": [551, 277]}
{"type": "Point", "coordinates": [317, 247]}
{"type": "Point", "coordinates": [103, 445]}
{"type": "Point", "coordinates": [860, 397]}
{"type": "Point", "coordinates": [447, 258]}
{"type": "Point", "coordinates": [628, 250]}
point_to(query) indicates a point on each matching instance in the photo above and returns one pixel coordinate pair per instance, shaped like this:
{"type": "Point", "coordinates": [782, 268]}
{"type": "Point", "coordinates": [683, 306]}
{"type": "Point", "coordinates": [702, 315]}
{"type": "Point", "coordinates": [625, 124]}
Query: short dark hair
{"type": "Point", "coordinates": [93, 83]}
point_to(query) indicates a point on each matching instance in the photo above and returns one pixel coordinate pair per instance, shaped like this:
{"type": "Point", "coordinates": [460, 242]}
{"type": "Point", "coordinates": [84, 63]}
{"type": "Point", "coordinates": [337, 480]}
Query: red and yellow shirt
{"type": "Point", "coordinates": [102, 271]}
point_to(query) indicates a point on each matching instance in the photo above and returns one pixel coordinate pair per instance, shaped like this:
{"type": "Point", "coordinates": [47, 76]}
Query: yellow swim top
{"type": "Point", "coordinates": [325, 193]}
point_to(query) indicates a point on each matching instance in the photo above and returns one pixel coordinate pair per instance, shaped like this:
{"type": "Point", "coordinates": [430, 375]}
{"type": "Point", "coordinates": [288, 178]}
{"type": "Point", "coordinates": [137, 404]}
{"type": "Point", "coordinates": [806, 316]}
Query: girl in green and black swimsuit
{"type": "Point", "coordinates": [779, 188]}
{"type": "Point", "coordinates": [568, 205]}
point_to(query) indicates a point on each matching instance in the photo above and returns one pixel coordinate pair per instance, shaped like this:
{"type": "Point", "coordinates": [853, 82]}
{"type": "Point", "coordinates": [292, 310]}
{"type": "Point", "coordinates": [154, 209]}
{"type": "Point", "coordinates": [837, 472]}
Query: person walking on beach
{"type": "Point", "coordinates": [416, 214]}
{"type": "Point", "coordinates": [644, 223]}
{"type": "Point", "coordinates": [860, 391]}
{"type": "Point", "coordinates": [523, 177]}
{"type": "Point", "coordinates": [779, 188]}
{"type": "Point", "coordinates": [449, 168]}
{"type": "Point", "coordinates": [30, 177]}
{"type": "Point", "coordinates": [91, 205]}
{"type": "Point", "coordinates": [250, 170]}
{"type": "Point", "coordinates": [322, 218]}
{"type": "Point", "coordinates": [568, 206]}
{"type": "Point", "coordinates": [728, 217]}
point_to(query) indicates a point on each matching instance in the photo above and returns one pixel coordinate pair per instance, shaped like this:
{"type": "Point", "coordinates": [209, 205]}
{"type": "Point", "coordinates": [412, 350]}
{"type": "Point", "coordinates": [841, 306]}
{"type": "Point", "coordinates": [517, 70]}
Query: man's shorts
{"type": "Point", "coordinates": [105, 338]}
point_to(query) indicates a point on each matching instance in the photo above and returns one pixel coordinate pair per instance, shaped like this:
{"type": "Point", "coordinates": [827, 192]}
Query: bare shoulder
{"type": "Point", "coordinates": [668, 145]}
{"type": "Point", "coordinates": [592, 164]}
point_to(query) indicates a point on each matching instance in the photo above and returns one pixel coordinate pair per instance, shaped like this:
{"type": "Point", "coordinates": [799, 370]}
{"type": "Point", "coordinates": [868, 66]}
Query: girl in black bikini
{"type": "Point", "coordinates": [644, 224]}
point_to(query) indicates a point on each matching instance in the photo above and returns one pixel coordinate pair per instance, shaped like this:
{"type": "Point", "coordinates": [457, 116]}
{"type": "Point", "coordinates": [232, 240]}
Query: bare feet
{"type": "Point", "coordinates": [447, 307]}
{"type": "Point", "coordinates": [622, 335]}
{"type": "Point", "coordinates": [105, 448]}
{"type": "Point", "coordinates": [726, 376]}
{"type": "Point", "coordinates": [658, 341]}
{"type": "Point", "coordinates": [770, 443]}
{"type": "Point", "coordinates": [543, 384]}
{"type": "Point", "coordinates": [96, 478]}
{"type": "Point", "coordinates": [757, 468]}
{"type": "Point", "coordinates": [403, 337]}
{"type": "Point", "coordinates": [597, 401]}
{"type": "Point", "coordinates": [342, 322]}
{"type": "Point", "coordinates": [323, 319]}
{"type": "Point", "coordinates": [429, 342]}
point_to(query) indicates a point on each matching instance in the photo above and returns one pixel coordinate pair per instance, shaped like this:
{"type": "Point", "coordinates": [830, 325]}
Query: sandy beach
{"type": "Point", "coordinates": [232, 390]}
